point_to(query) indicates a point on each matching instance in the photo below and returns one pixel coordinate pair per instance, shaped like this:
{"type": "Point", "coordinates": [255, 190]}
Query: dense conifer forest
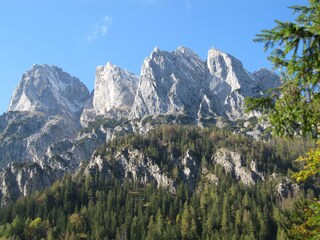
{"type": "Point", "coordinates": [94, 205]}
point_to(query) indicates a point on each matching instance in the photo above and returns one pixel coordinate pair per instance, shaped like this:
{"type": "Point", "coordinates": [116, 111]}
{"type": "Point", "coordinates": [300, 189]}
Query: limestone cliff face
{"type": "Point", "coordinates": [44, 109]}
{"type": "Point", "coordinates": [27, 135]}
{"type": "Point", "coordinates": [177, 83]}
{"type": "Point", "coordinates": [180, 82]}
{"type": "Point", "coordinates": [114, 90]}
{"type": "Point", "coordinates": [266, 80]}
{"type": "Point", "coordinates": [113, 94]}
{"type": "Point", "coordinates": [134, 164]}
{"type": "Point", "coordinates": [229, 82]}
{"type": "Point", "coordinates": [233, 163]}
{"type": "Point", "coordinates": [42, 131]}
{"type": "Point", "coordinates": [170, 83]}
{"type": "Point", "coordinates": [49, 90]}
{"type": "Point", "coordinates": [22, 179]}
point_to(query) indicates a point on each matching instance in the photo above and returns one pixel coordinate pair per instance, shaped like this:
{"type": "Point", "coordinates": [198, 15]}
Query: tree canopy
{"type": "Point", "coordinates": [293, 108]}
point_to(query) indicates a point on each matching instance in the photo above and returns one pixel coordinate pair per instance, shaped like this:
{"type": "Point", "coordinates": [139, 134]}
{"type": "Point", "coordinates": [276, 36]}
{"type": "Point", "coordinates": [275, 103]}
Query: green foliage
{"type": "Point", "coordinates": [95, 206]}
{"type": "Point", "coordinates": [309, 227]}
{"type": "Point", "coordinates": [301, 221]}
{"type": "Point", "coordinates": [293, 108]}
{"type": "Point", "coordinates": [132, 211]}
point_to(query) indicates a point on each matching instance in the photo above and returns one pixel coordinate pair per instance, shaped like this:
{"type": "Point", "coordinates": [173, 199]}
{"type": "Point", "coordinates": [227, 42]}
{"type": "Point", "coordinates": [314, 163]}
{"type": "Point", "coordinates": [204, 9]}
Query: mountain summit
{"type": "Point", "coordinates": [49, 90]}
{"type": "Point", "coordinates": [54, 124]}
{"type": "Point", "coordinates": [113, 95]}
{"type": "Point", "coordinates": [178, 82]}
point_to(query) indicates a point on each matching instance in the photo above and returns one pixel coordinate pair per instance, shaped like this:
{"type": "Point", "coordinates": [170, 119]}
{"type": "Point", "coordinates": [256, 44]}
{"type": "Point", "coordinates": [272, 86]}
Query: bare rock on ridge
{"type": "Point", "coordinates": [50, 90]}
{"type": "Point", "coordinates": [113, 96]}
{"type": "Point", "coordinates": [170, 83]}
{"type": "Point", "coordinates": [44, 109]}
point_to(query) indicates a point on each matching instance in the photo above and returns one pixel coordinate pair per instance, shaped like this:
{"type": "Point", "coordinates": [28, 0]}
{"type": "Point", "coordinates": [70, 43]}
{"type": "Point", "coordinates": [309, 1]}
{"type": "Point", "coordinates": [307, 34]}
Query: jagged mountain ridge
{"type": "Point", "coordinates": [178, 82]}
{"type": "Point", "coordinates": [48, 105]}
{"type": "Point", "coordinates": [113, 95]}
{"type": "Point", "coordinates": [45, 108]}
{"type": "Point", "coordinates": [49, 90]}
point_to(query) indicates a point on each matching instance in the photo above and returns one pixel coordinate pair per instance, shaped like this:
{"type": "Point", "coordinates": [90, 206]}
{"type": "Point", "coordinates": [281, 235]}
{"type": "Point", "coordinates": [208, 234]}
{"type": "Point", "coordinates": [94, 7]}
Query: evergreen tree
{"type": "Point", "coordinates": [293, 108]}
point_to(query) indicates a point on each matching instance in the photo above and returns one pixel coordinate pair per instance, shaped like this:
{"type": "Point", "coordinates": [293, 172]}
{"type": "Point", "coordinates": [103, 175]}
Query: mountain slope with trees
{"type": "Point", "coordinates": [95, 205]}
{"type": "Point", "coordinates": [293, 109]}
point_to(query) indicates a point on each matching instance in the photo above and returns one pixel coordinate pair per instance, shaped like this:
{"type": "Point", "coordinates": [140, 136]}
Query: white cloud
{"type": "Point", "coordinates": [101, 29]}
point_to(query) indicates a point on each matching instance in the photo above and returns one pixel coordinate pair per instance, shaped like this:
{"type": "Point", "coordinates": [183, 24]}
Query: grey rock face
{"type": "Point", "coordinates": [180, 82]}
{"type": "Point", "coordinates": [115, 89]}
{"type": "Point", "coordinates": [22, 179]}
{"type": "Point", "coordinates": [43, 122]}
{"type": "Point", "coordinates": [170, 83]}
{"type": "Point", "coordinates": [114, 93]}
{"type": "Point", "coordinates": [230, 82]}
{"type": "Point", "coordinates": [134, 164]}
{"type": "Point", "coordinates": [25, 136]}
{"type": "Point", "coordinates": [44, 110]}
{"type": "Point", "coordinates": [266, 80]}
{"type": "Point", "coordinates": [190, 168]}
{"type": "Point", "coordinates": [232, 163]}
{"type": "Point", "coordinates": [89, 114]}
{"type": "Point", "coordinates": [227, 71]}
{"type": "Point", "coordinates": [50, 90]}
{"type": "Point", "coordinates": [286, 187]}
{"type": "Point", "coordinates": [131, 163]}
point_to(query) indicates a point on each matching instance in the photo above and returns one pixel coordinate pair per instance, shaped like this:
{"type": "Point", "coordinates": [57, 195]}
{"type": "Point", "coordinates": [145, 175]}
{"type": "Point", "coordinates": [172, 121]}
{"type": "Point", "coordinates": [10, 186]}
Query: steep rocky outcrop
{"type": "Point", "coordinates": [233, 163]}
{"type": "Point", "coordinates": [44, 109]}
{"type": "Point", "coordinates": [229, 82]}
{"type": "Point", "coordinates": [180, 82]}
{"type": "Point", "coordinates": [170, 83]}
{"type": "Point", "coordinates": [266, 80]}
{"type": "Point", "coordinates": [130, 163]}
{"type": "Point", "coordinates": [22, 179]}
{"type": "Point", "coordinates": [42, 129]}
{"type": "Point", "coordinates": [26, 136]}
{"type": "Point", "coordinates": [136, 165]}
{"type": "Point", "coordinates": [114, 93]}
{"type": "Point", "coordinates": [49, 90]}
{"type": "Point", "coordinates": [287, 187]}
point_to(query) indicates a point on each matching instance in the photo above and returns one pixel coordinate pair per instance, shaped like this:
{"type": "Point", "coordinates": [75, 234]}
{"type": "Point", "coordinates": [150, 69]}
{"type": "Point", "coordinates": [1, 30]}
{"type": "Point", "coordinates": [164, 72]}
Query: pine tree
{"type": "Point", "coordinates": [293, 108]}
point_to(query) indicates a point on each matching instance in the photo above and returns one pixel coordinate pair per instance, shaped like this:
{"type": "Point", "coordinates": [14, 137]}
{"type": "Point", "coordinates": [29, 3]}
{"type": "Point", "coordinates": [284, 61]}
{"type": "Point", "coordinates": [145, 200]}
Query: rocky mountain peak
{"type": "Point", "coordinates": [266, 79]}
{"type": "Point", "coordinates": [42, 125]}
{"type": "Point", "coordinates": [169, 83]}
{"type": "Point", "coordinates": [50, 90]}
{"type": "Point", "coordinates": [115, 89]}
{"type": "Point", "coordinates": [227, 69]}
{"type": "Point", "coordinates": [113, 95]}
{"type": "Point", "coordinates": [187, 53]}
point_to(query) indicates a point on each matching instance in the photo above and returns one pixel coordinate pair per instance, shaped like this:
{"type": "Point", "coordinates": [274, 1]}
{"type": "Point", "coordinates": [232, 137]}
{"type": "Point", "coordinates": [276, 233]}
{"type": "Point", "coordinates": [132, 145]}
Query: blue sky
{"type": "Point", "coordinates": [78, 35]}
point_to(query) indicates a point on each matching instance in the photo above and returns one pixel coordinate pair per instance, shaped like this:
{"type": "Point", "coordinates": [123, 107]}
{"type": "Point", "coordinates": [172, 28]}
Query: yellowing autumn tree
{"type": "Point", "coordinates": [294, 108]}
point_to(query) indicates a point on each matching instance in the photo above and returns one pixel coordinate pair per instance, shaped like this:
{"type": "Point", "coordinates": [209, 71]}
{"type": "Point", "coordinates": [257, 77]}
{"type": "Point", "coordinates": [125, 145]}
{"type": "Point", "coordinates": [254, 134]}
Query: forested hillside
{"type": "Point", "coordinates": [92, 204]}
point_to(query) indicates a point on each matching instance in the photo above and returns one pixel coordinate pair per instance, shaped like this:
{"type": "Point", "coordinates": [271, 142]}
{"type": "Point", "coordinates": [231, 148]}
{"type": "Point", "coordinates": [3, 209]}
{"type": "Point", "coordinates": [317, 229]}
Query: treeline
{"type": "Point", "coordinates": [167, 142]}
{"type": "Point", "coordinates": [96, 206]}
